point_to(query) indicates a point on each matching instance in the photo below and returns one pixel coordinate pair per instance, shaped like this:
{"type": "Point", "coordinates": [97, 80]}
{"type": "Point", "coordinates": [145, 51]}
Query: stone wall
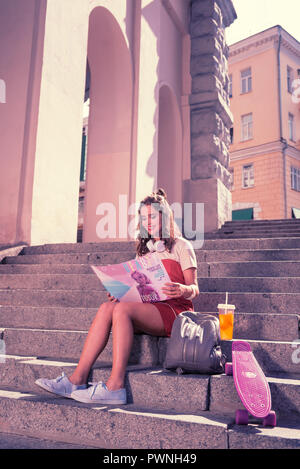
{"type": "Point", "coordinates": [211, 118]}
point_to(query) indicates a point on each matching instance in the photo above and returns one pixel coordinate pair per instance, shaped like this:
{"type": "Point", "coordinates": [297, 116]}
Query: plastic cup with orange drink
{"type": "Point", "coordinates": [226, 316]}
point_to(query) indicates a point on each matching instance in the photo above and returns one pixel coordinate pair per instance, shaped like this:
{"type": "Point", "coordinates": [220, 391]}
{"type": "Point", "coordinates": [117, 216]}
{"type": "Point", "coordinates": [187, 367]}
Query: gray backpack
{"type": "Point", "coordinates": [194, 345]}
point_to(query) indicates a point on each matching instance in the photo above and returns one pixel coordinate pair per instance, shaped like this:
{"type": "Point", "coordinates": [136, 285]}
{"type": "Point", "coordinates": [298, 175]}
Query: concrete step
{"type": "Point", "coordinates": [47, 317]}
{"type": "Point", "coordinates": [55, 248]}
{"type": "Point", "coordinates": [246, 302]}
{"type": "Point", "coordinates": [206, 283]}
{"type": "Point", "coordinates": [69, 344]}
{"type": "Point", "coordinates": [120, 427]}
{"type": "Point", "coordinates": [24, 264]}
{"type": "Point", "coordinates": [286, 436]}
{"type": "Point", "coordinates": [255, 255]}
{"type": "Point", "coordinates": [263, 225]}
{"type": "Point", "coordinates": [251, 234]}
{"type": "Point", "coordinates": [283, 357]}
{"type": "Point", "coordinates": [249, 302]}
{"type": "Point", "coordinates": [70, 269]}
{"type": "Point", "coordinates": [252, 243]}
{"type": "Point", "coordinates": [285, 393]}
{"type": "Point", "coordinates": [265, 326]}
{"type": "Point", "coordinates": [51, 281]}
{"type": "Point", "coordinates": [68, 298]}
{"type": "Point", "coordinates": [288, 222]}
{"type": "Point", "coordinates": [59, 274]}
{"type": "Point", "coordinates": [32, 440]}
{"type": "Point", "coordinates": [272, 355]}
{"type": "Point", "coordinates": [133, 426]}
{"type": "Point", "coordinates": [154, 387]}
{"type": "Point", "coordinates": [280, 230]}
{"type": "Point", "coordinates": [148, 387]}
{"type": "Point", "coordinates": [250, 284]}
{"type": "Point", "coordinates": [72, 258]}
{"type": "Point", "coordinates": [129, 247]}
{"type": "Point", "coordinates": [251, 269]}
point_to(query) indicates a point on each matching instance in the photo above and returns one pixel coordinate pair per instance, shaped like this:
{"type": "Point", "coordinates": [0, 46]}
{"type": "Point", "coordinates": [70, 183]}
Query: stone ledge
{"type": "Point", "coordinates": [110, 426]}
{"type": "Point", "coordinates": [11, 251]}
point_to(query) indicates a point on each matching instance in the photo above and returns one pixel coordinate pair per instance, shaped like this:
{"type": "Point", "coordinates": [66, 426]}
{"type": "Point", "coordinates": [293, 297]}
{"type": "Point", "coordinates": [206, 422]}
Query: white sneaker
{"type": "Point", "coordinates": [99, 394]}
{"type": "Point", "coordinates": [61, 385]}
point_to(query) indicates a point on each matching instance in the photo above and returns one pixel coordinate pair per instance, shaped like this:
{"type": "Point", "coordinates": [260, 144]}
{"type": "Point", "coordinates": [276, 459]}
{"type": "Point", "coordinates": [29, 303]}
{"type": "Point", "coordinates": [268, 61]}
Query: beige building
{"type": "Point", "coordinates": [264, 71]}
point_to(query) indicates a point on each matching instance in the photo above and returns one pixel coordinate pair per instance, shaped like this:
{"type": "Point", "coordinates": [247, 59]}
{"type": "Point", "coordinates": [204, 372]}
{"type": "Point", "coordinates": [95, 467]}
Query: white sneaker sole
{"type": "Point", "coordinates": [86, 400]}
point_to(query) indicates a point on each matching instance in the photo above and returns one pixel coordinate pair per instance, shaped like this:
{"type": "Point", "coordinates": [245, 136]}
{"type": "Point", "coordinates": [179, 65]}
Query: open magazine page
{"type": "Point", "coordinates": [140, 279]}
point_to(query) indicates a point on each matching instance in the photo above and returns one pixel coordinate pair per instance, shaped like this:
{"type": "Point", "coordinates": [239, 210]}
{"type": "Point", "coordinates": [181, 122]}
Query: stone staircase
{"type": "Point", "coordinates": [257, 229]}
{"type": "Point", "coordinates": [48, 298]}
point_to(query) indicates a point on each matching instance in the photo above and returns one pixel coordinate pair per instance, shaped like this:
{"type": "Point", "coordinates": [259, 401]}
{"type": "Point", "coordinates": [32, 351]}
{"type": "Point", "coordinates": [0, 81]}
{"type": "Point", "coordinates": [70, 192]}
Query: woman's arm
{"type": "Point", "coordinates": [176, 290]}
{"type": "Point", "coordinates": [190, 277]}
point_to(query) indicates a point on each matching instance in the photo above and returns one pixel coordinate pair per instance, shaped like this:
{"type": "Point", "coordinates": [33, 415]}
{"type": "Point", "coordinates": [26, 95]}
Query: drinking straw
{"type": "Point", "coordinates": [226, 298]}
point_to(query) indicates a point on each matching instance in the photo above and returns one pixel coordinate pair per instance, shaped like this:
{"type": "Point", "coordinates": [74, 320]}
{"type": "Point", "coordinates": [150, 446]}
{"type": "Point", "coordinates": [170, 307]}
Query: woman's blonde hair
{"type": "Point", "coordinates": [167, 232]}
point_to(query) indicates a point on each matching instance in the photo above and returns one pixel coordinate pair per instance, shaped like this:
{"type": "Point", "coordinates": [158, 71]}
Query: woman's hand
{"type": "Point", "coordinates": [112, 299]}
{"type": "Point", "coordinates": [173, 289]}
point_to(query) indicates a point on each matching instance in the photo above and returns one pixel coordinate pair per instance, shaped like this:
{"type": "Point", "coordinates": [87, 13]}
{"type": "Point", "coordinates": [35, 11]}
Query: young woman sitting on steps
{"type": "Point", "coordinates": [157, 231]}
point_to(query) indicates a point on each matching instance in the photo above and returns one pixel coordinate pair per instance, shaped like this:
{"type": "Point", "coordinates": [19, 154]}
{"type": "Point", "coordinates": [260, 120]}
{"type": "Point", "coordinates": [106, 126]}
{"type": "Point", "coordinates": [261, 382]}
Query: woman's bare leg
{"type": "Point", "coordinates": [95, 342]}
{"type": "Point", "coordinates": [126, 317]}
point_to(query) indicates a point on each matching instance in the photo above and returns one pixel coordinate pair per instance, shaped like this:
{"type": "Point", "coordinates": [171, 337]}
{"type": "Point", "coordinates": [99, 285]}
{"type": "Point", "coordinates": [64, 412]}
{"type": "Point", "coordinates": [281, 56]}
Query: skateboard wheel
{"type": "Point", "coordinates": [241, 417]}
{"type": "Point", "coordinates": [270, 420]}
{"type": "Point", "coordinates": [228, 369]}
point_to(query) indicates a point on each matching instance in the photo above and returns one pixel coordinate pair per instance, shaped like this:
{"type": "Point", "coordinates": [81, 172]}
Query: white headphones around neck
{"type": "Point", "coordinates": [158, 246]}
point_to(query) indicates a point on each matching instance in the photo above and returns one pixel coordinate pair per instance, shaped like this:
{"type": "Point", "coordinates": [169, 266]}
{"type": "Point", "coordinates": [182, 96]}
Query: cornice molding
{"type": "Point", "coordinates": [262, 41]}
{"type": "Point", "coordinates": [228, 12]}
{"type": "Point", "coordinates": [259, 150]}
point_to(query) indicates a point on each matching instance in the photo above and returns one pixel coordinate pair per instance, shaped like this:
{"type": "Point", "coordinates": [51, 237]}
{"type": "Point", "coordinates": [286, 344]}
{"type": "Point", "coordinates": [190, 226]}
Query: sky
{"type": "Point", "coordinates": [254, 16]}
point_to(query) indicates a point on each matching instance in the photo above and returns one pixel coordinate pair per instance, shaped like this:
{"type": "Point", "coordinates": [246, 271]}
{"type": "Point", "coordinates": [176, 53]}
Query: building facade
{"type": "Point", "coordinates": [264, 72]}
{"type": "Point", "coordinates": [156, 75]}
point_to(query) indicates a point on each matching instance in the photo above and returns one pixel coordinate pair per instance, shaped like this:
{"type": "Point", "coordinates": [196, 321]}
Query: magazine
{"type": "Point", "coordinates": [140, 279]}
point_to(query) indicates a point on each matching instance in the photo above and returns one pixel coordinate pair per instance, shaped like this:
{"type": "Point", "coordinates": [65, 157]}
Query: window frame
{"type": "Point", "coordinates": [246, 80]}
{"type": "Point", "coordinates": [246, 127]}
{"type": "Point", "coordinates": [248, 170]}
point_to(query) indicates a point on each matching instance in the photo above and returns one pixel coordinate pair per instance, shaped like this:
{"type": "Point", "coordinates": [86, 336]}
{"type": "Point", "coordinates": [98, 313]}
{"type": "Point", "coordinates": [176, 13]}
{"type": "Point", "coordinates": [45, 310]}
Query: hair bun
{"type": "Point", "coordinates": [161, 192]}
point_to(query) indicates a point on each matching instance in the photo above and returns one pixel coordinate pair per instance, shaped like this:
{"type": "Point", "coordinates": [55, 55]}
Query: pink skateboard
{"type": "Point", "coordinates": [251, 385]}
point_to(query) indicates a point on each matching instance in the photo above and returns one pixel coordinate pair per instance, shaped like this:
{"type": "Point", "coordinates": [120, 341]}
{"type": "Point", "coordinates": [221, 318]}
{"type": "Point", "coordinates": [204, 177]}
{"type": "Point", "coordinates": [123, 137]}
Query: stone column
{"type": "Point", "coordinates": [211, 118]}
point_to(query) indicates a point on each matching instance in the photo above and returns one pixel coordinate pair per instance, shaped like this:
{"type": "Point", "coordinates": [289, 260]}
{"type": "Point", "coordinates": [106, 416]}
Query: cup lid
{"type": "Point", "coordinates": [224, 306]}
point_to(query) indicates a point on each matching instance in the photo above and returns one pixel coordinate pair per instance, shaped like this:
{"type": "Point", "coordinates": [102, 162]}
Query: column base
{"type": "Point", "coordinates": [216, 197]}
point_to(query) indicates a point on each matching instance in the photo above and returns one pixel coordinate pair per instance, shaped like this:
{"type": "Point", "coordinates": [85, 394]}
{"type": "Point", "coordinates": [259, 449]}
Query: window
{"type": "Point", "coordinates": [289, 75]}
{"type": "Point", "coordinates": [246, 81]}
{"type": "Point", "coordinates": [231, 134]}
{"type": "Point", "coordinates": [246, 127]}
{"type": "Point", "coordinates": [291, 126]}
{"type": "Point", "coordinates": [230, 86]}
{"type": "Point", "coordinates": [248, 175]}
{"type": "Point", "coordinates": [295, 178]}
